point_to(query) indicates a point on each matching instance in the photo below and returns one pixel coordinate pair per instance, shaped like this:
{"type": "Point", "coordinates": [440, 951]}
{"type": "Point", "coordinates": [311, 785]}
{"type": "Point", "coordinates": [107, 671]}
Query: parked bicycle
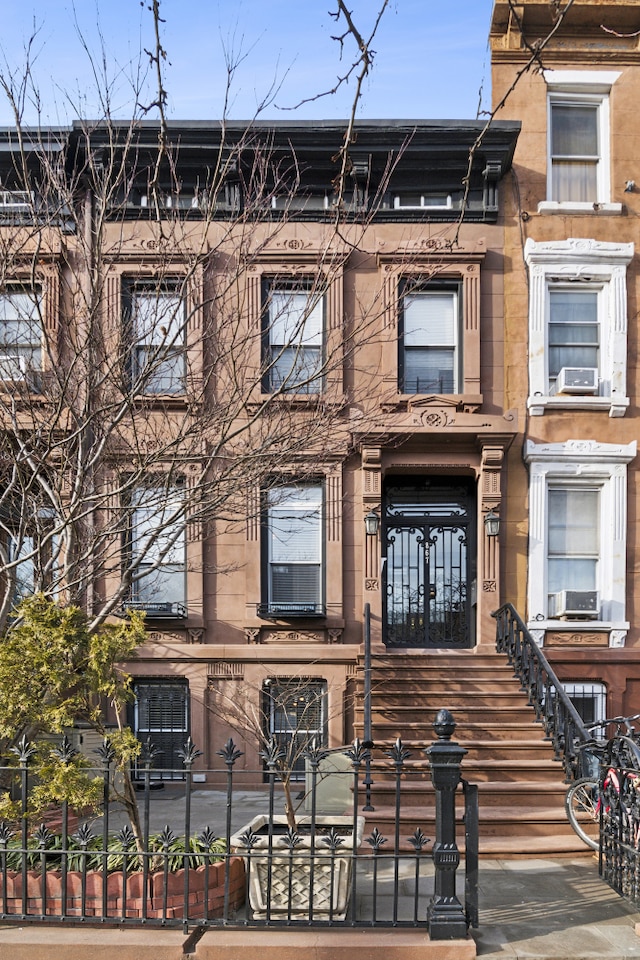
{"type": "Point", "coordinates": [583, 799]}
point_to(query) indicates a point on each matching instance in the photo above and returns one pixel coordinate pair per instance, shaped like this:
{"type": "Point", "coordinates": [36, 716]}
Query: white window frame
{"type": "Point", "coordinates": [426, 202]}
{"type": "Point", "coordinates": [299, 337]}
{"type": "Point", "coordinates": [285, 500]}
{"type": "Point", "coordinates": [594, 465]}
{"type": "Point", "coordinates": [598, 266]}
{"type": "Point", "coordinates": [158, 535]}
{"type": "Point", "coordinates": [455, 292]}
{"type": "Point", "coordinates": [581, 87]}
{"type": "Point", "coordinates": [19, 357]}
{"type": "Point", "coordinates": [166, 348]}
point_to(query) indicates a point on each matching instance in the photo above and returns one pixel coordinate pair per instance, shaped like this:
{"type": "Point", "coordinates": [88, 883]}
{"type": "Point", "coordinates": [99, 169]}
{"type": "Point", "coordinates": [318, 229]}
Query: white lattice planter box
{"type": "Point", "coordinates": [285, 876]}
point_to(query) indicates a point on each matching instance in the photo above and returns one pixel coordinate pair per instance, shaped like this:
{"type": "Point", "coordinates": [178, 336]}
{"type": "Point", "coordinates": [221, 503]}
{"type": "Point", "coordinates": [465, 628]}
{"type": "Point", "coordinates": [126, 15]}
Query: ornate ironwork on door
{"type": "Point", "coordinates": [429, 551]}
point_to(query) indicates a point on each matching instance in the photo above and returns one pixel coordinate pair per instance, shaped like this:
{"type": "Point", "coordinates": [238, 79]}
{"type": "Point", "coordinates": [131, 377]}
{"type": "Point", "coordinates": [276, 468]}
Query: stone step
{"type": "Point", "coordinates": [492, 793]}
{"type": "Point", "coordinates": [464, 730]}
{"type": "Point", "coordinates": [494, 822]}
{"type": "Point", "coordinates": [418, 737]}
{"type": "Point", "coordinates": [433, 701]}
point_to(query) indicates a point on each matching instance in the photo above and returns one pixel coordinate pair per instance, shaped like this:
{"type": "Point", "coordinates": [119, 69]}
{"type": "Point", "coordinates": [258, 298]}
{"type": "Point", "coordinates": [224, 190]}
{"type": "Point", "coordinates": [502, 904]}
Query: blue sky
{"type": "Point", "coordinates": [431, 57]}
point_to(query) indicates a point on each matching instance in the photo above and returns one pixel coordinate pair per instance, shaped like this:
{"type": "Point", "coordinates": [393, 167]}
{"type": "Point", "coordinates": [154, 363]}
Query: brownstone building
{"type": "Point", "coordinates": [255, 360]}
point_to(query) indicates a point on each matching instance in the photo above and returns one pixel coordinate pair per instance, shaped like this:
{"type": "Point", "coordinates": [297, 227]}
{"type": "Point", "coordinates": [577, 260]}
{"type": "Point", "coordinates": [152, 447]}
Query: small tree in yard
{"type": "Point", "coordinates": [54, 672]}
{"type": "Point", "coordinates": [285, 718]}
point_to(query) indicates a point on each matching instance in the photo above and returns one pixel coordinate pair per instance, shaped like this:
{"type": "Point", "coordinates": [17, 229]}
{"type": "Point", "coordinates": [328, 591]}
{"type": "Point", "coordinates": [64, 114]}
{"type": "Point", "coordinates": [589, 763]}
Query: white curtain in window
{"type": "Point", "coordinates": [573, 539]}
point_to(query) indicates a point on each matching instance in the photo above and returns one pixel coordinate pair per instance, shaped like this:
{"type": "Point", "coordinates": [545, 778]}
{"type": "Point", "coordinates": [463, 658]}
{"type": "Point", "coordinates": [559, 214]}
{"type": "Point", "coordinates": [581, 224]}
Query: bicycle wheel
{"type": "Point", "coordinates": [581, 805]}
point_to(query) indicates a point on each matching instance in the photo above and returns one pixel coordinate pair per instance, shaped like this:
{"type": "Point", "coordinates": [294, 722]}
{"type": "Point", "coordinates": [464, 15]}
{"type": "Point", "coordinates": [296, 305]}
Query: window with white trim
{"type": "Point", "coordinates": [157, 329]}
{"type": "Point", "coordinates": [577, 535]}
{"type": "Point", "coordinates": [20, 333]}
{"type": "Point", "coordinates": [293, 335]}
{"type": "Point", "coordinates": [573, 545]}
{"type": "Point", "coordinates": [589, 697]}
{"type": "Point", "coordinates": [429, 344]}
{"type": "Point", "coordinates": [293, 549]}
{"type": "Point", "coordinates": [578, 325]}
{"type": "Point", "coordinates": [578, 134]}
{"type": "Point", "coordinates": [157, 550]}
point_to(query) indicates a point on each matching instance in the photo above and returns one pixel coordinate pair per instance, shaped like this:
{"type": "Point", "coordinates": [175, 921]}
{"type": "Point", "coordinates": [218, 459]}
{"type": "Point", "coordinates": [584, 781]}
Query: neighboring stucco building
{"type": "Point", "coordinates": [571, 309]}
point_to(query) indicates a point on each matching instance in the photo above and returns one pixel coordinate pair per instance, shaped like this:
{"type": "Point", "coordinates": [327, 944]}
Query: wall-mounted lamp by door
{"type": "Point", "coordinates": [492, 524]}
{"type": "Point", "coordinates": [372, 523]}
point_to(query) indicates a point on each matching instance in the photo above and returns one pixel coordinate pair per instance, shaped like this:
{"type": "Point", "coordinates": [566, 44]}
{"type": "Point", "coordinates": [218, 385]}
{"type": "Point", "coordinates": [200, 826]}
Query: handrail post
{"type": "Point", "coordinates": [367, 741]}
{"type": "Point", "coordinates": [445, 914]}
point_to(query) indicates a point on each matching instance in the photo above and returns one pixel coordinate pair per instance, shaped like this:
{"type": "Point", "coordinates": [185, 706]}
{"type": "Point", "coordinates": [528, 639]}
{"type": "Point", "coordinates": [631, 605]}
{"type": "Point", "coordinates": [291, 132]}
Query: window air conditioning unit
{"type": "Point", "coordinates": [577, 604]}
{"type": "Point", "coordinates": [578, 380]}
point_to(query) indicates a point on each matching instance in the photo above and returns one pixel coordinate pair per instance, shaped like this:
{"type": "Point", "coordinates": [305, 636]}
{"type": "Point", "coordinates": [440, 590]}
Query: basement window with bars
{"type": "Point", "coordinates": [590, 700]}
{"type": "Point", "coordinates": [295, 716]}
{"type": "Point", "coordinates": [161, 716]}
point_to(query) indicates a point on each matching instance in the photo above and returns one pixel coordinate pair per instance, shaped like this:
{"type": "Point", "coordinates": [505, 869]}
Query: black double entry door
{"type": "Point", "coordinates": [429, 561]}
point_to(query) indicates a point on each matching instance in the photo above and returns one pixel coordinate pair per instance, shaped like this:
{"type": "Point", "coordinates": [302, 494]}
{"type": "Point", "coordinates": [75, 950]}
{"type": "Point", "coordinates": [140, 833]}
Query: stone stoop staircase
{"type": "Point", "coordinates": [521, 787]}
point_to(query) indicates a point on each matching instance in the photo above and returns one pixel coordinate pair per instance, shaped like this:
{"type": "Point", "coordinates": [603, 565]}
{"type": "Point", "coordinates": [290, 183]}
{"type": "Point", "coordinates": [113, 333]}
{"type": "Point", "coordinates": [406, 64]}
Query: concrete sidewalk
{"type": "Point", "coordinates": [530, 909]}
{"type": "Point", "coordinates": [552, 909]}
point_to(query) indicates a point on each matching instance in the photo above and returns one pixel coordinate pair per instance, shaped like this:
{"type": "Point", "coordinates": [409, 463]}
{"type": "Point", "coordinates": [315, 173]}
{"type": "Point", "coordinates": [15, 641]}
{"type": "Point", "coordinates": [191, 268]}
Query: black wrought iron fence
{"type": "Point", "coordinates": [560, 720]}
{"type": "Point", "coordinates": [619, 809]}
{"type": "Point", "coordinates": [224, 853]}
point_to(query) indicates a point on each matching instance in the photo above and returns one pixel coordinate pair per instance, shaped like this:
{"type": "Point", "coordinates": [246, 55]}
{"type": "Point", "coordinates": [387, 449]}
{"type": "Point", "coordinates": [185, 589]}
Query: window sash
{"type": "Point", "coordinates": [574, 330]}
{"type": "Point", "coordinates": [158, 543]}
{"type": "Point", "coordinates": [158, 321]}
{"type": "Point", "coordinates": [575, 150]}
{"type": "Point", "coordinates": [429, 342]}
{"type": "Point", "coordinates": [20, 333]}
{"type": "Point", "coordinates": [295, 545]}
{"type": "Point", "coordinates": [295, 323]}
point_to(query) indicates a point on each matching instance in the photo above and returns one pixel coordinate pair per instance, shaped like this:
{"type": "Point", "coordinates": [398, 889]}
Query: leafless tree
{"type": "Point", "coordinates": [140, 405]}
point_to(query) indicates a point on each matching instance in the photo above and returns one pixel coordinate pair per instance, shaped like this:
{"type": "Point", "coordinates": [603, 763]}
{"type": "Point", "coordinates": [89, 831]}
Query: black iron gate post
{"type": "Point", "coordinates": [445, 914]}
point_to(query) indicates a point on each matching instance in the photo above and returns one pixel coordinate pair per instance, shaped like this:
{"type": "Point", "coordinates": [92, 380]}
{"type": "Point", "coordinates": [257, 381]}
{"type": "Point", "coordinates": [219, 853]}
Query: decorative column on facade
{"type": "Point", "coordinates": [489, 551]}
{"type": "Point", "coordinates": [491, 499]}
{"type": "Point", "coordinates": [333, 529]}
{"type": "Point", "coordinates": [371, 500]}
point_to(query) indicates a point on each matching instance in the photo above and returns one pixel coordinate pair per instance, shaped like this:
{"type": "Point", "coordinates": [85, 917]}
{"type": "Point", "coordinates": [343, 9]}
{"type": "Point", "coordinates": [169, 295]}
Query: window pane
{"type": "Point", "coordinates": [575, 182]}
{"type": "Point", "coordinates": [158, 318]}
{"type": "Point", "coordinates": [294, 336]}
{"type": "Point", "coordinates": [571, 575]}
{"type": "Point", "coordinates": [573, 522]}
{"type": "Point", "coordinates": [295, 525]}
{"type": "Point", "coordinates": [295, 318]}
{"type": "Point", "coordinates": [158, 321]}
{"type": "Point", "coordinates": [296, 368]}
{"type": "Point", "coordinates": [574, 130]}
{"type": "Point", "coordinates": [429, 371]}
{"type": "Point", "coordinates": [429, 319]}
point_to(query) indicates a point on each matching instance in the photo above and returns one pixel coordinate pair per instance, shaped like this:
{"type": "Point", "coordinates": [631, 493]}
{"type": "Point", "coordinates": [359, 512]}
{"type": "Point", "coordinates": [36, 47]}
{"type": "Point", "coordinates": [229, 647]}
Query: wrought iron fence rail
{"type": "Point", "coordinates": [560, 720]}
{"type": "Point", "coordinates": [204, 869]}
{"type": "Point", "coordinates": [619, 808]}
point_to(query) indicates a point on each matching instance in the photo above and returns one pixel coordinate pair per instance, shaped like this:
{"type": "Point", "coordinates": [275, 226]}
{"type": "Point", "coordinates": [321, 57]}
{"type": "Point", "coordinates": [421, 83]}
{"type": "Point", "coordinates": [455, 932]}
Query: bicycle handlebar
{"type": "Point", "coordinates": [627, 722]}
